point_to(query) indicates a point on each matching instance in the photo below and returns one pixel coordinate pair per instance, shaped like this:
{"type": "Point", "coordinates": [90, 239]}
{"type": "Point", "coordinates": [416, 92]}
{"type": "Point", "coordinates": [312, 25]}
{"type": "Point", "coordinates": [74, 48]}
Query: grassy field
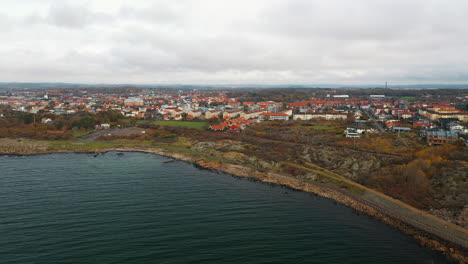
{"type": "Point", "coordinates": [91, 146]}
{"type": "Point", "coordinates": [189, 124]}
{"type": "Point", "coordinates": [81, 132]}
{"type": "Point", "coordinates": [324, 127]}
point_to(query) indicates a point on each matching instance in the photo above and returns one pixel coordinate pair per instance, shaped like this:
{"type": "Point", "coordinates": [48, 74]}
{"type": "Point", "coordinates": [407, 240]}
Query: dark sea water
{"type": "Point", "coordinates": [76, 208]}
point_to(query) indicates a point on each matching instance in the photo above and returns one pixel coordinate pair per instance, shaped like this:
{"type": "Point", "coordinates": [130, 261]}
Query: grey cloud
{"type": "Point", "coordinates": [360, 19]}
{"type": "Point", "coordinates": [157, 11]}
{"type": "Point", "coordinates": [3, 19]}
{"type": "Point", "coordinates": [63, 14]}
{"type": "Point", "coordinates": [264, 41]}
{"type": "Point", "coordinates": [70, 16]}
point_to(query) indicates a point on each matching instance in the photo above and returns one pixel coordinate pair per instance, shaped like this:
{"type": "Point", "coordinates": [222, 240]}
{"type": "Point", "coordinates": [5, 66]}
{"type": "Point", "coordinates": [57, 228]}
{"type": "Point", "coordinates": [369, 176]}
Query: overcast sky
{"type": "Point", "coordinates": [234, 41]}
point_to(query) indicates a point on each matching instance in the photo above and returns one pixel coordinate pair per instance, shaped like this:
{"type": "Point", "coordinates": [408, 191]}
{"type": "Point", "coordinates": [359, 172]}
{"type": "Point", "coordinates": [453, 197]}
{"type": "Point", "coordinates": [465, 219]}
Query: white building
{"type": "Point", "coordinates": [274, 116]}
{"type": "Point", "coordinates": [46, 121]}
{"type": "Point", "coordinates": [326, 116]}
{"type": "Point", "coordinates": [351, 133]}
{"type": "Point", "coordinates": [457, 128]}
{"type": "Point", "coordinates": [212, 114]}
{"type": "Point", "coordinates": [232, 114]}
{"type": "Point", "coordinates": [194, 114]}
{"type": "Point", "coordinates": [251, 115]}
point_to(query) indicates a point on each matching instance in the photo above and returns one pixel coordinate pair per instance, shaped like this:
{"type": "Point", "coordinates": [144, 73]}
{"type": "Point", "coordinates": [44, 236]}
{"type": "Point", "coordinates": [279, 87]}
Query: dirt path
{"type": "Point", "coordinates": [114, 132]}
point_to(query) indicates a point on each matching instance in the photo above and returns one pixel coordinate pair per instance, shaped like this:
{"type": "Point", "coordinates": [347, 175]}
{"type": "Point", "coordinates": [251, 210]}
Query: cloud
{"type": "Point", "coordinates": [67, 15]}
{"type": "Point", "coordinates": [217, 41]}
{"type": "Point", "coordinates": [156, 11]}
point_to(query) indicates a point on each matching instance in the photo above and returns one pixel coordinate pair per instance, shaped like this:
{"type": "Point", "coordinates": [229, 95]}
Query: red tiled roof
{"type": "Point", "coordinates": [417, 124]}
{"type": "Point", "coordinates": [217, 127]}
{"type": "Point", "coordinates": [296, 104]}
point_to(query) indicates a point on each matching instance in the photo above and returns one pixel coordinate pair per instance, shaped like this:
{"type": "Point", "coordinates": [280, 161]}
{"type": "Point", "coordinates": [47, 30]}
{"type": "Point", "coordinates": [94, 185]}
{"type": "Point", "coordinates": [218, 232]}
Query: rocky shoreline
{"type": "Point", "coordinates": [452, 252]}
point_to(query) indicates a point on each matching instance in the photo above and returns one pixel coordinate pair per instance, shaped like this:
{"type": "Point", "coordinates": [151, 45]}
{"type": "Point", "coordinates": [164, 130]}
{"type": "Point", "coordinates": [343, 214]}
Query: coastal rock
{"type": "Point", "coordinates": [345, 162]}
{"type": "Point", "coordinates": [235, 156]}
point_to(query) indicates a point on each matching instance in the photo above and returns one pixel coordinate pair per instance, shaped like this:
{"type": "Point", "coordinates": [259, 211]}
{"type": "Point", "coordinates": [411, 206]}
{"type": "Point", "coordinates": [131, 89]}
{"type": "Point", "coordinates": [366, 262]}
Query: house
{"type": "Point", "coordinates": [351, 133]}
{"type": "Point", "coordinates": [360, 130]}
{"type": "Point", "coordinates": [212, 114]}
{"type": "Point", "coordinates": [392, 123]}
{"type": "Point", "coordinates": [274, 116]}
{"type": "Point", "coordinates": [270, 106]}
{"type": "Point", "coordinates": [133, 101]}
{"type": "Point", "coordinates": [458, 128]}
{"type": "Point", "coordinates": [248, 103]}
{"type": "Point", "coordinates": [103, 126]}
{"type": "Point", "coordinates": [403, 113]}
{"type": "Point", "coordinates": [231, 114]}
{"type": "Point", "coordinates": [445, 122]}
{"type": "Point", "coordinates": [218, 127]}
{"type": "Point", "coordinates": [400, 129]}
{"type": "Point", "coordinates": [194, 114]}
{"type": "Point", "coordinates": [235, 128]}
{"type": "Point", "coordinates": [365, 106]}
{"type": "Point", "coordinates": [358, 114]}
{"type": "Point", "coordinates": [251, 115]}
{"type": "Point", "coordinates": [421, 123]}
{"type": "Point", "coordinates": [173, 111]}
{"type": "Point", "coordinates": [234, 105]}
{"type": "Point", "coordinates": [440, 137]}
{"type": "Point", "coordinates": [46, 121]}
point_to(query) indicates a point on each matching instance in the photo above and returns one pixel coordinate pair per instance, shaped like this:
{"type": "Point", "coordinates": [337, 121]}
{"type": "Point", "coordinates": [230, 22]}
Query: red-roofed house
{"type": "Point", "coordinates": [217, 127]}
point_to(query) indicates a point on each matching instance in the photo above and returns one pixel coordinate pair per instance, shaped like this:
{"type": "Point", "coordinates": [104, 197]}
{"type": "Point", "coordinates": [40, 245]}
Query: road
{"type": "Point", "coordinates": [377, 125]}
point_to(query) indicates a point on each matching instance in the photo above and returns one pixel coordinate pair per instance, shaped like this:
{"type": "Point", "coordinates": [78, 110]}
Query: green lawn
{"type": "Point", "coordinates": [189, 124]}
{"type": "Point", "coordinates": [319, 127]}
{"type": "Point", "coordinates": [91, 146]}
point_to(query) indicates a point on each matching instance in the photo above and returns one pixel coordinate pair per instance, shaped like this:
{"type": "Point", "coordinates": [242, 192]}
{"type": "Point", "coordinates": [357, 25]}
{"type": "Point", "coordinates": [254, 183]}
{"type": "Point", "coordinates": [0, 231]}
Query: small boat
{"type": "Point", "coordinates": [96, 154]}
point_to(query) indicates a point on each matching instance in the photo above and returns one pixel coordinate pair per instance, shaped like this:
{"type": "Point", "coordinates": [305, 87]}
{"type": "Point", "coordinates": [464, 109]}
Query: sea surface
{"type": "Point", "coordinates": [133, 208]}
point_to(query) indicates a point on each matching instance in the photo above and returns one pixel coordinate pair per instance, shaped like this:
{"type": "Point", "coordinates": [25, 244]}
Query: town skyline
{"type": "Point", "coordinates": [34, 85]}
